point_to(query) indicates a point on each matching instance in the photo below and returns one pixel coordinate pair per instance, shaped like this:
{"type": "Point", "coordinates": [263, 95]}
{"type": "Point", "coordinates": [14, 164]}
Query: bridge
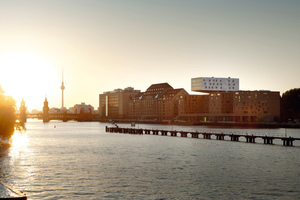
{"type": "Point", "coordinates": [287, 141]}
{"type": "Point", "coordinates": [46, 116]}
{"type": "Point", "coordinates": [58, 116]}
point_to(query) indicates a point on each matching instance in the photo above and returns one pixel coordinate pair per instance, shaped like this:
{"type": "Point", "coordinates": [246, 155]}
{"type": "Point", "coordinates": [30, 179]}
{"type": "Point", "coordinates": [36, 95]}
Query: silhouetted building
{"type": "Point", "coordinates": [23, 117]}
{"type": "Point", "coordinates": [82, 108]}
{"type": "Point", "coordinates": [115, 104]}
{"type": "Point", "coordinates": [240, 106]}
{"type": "Point", "coordinates": [158, 102]}
{"type": "Point", "coordinates": [46, 111]}
{"type": "Point", "coordinates": [223, 101]}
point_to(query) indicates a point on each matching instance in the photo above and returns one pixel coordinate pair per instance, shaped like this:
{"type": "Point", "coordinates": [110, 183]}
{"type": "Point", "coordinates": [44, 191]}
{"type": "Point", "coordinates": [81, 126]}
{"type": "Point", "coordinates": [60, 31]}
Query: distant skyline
{"type": "Point", "coordinates": [104, 45]}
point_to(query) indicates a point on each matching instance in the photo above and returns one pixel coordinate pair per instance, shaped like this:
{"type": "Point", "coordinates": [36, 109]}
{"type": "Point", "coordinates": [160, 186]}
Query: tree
{"type": "Point", "coordinates": [7, 115]}
{"type": "Point", "coordinates": [290, 104]}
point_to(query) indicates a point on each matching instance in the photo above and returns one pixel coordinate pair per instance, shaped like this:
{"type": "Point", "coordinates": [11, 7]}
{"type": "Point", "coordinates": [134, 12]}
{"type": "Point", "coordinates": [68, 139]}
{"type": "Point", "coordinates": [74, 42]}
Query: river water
{"type": "Point", "coordinates": [79, 160]}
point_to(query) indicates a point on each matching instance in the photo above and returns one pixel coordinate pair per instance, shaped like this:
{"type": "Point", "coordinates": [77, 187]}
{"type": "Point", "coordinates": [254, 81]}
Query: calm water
{"type": "Point", "coordinates": [82, 161]}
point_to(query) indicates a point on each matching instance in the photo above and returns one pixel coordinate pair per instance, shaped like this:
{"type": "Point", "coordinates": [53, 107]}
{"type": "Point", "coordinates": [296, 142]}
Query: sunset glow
{"type": "Point", "coordinates": [28, 76]}
{"type": "Point", "coordinates": [105, 45]}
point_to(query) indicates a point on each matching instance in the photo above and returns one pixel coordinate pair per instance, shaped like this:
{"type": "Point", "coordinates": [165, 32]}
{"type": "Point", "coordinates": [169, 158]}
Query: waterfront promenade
{"type": "Point", "coordinates": [287, 141]}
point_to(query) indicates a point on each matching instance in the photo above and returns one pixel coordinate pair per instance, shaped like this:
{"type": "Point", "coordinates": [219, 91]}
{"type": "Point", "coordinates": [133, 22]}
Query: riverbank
{"type": "Point", "coordinates": [211, 124]}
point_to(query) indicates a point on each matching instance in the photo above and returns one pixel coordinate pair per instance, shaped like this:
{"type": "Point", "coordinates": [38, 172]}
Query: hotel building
{"type": "Point", "coordinates": [210, 84]}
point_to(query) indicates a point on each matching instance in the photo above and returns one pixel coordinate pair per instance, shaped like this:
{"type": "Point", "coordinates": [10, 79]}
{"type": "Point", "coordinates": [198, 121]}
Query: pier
{"type": "Point", "coordinates": [287, 141]}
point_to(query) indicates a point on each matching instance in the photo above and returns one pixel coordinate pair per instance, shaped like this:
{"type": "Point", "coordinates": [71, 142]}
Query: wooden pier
{"type": "Point", "coordinates": [287, 141]}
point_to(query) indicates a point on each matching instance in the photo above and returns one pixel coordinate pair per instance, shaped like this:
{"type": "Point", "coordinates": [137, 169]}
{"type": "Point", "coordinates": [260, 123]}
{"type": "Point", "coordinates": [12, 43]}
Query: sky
{"type": "Point", "coordinates": [104, 45]}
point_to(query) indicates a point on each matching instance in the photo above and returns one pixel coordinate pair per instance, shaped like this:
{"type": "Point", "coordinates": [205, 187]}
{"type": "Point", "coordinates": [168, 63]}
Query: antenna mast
{"type": "Point", "coordinates": [62, 89]}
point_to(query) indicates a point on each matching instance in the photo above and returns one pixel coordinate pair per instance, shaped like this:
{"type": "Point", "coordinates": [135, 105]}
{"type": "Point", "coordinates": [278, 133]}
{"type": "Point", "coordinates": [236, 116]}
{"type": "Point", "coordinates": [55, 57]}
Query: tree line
{"type": "Point", "coordinates": [8, 119]}
{"type": "Point", "coordinates": [290, 105]}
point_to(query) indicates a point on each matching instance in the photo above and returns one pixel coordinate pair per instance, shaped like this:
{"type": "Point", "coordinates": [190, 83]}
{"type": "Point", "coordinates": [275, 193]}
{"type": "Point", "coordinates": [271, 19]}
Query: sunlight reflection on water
{"type": "Point", "coordinates": [80, 160]}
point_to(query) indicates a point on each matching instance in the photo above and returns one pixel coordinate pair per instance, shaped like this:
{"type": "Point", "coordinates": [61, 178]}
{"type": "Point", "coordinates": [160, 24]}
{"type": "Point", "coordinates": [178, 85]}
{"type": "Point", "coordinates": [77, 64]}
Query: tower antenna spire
{"type": "Point", "coordinates": [62, 89]}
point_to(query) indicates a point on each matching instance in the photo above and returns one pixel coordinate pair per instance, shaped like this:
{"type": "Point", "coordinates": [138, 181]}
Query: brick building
{"type": "Point", "coordinates": [239, 106]}
{"type": "Point", "coordinates": [158, 102]}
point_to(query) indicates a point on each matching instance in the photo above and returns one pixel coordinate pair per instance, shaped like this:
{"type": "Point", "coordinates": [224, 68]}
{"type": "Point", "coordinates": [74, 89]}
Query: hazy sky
{"type": "Point", "coordinates": [104, 45]}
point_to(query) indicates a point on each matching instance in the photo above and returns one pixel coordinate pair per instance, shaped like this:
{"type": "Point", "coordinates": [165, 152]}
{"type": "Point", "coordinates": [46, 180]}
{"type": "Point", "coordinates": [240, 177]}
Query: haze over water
{"type": "Point", "coordinates": [81, 161]}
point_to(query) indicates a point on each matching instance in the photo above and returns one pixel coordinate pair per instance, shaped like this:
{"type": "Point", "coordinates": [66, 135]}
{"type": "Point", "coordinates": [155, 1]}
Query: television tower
{"type": "Point", "coordinates": [62, 90]}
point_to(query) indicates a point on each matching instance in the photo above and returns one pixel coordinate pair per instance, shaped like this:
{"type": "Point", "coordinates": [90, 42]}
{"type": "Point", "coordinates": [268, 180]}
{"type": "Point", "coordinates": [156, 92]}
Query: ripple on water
{"type": "Point", "coordinates": [80, 160]}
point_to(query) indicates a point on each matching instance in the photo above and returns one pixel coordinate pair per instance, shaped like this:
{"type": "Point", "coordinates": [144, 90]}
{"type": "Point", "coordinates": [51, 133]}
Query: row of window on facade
{"type": "Point", "coordinates": [216, 80]}
{"type": "Point", "coordinates": [220, 84]}
{"type": "Point", "coordinates": [211, 87]}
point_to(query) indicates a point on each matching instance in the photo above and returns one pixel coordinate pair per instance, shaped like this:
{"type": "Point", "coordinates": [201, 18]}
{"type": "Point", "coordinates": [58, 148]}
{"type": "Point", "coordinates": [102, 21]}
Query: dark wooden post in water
{"type": "Point", "coordinates": [155, 132]}
{"type": "Point", "coordinates": [164, 133]}
{"type": "Point", "coordinates": [206, 135]}
{"type": "Point", "coordinates": [288, 141]}
{"type": "Point", "coordinates": [268, 140]}
{"type": "Point", "coordinates": [220, 136]}
{"type": "Point", "coordinates": [173, 133]}
{"type": "Point", "coordinates": [250, 138]}
{"type": "Point", "coordinates": [234, 137]}
{"type": "Point", "coordinates": [195, 134]}
{"type": "Point", "coordinates": [183, 134]}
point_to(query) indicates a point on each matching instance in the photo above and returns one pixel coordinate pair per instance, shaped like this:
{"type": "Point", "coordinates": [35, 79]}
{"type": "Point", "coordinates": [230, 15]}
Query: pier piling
{"type": "Point", "coordinates": [219, 136]}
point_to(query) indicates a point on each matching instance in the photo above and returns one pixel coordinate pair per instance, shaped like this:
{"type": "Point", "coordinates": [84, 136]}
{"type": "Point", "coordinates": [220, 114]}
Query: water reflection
{"type": "Point", "coordinates": [13, 156]}
{"type": "Point", "coordinates": [4, 159]}
{"type": "Point", "coordinates": [19, 139]}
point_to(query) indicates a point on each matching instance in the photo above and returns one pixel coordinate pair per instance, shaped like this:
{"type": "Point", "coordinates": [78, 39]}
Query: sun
{"type": "Point", "coordinates": [28, 76]}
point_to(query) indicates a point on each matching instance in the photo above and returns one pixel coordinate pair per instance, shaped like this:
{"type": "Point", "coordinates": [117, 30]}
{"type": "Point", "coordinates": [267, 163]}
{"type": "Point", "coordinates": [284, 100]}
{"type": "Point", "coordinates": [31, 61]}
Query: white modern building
{"type": "Point", "coordinates": [210, 84]}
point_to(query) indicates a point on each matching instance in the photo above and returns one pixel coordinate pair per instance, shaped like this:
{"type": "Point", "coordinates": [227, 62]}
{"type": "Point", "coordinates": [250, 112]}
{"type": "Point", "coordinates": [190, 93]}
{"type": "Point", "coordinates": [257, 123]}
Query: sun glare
{"type": "Point", "coordinates": [18, 139]}
{"type": "Point", "coordinates": [28, 76]}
